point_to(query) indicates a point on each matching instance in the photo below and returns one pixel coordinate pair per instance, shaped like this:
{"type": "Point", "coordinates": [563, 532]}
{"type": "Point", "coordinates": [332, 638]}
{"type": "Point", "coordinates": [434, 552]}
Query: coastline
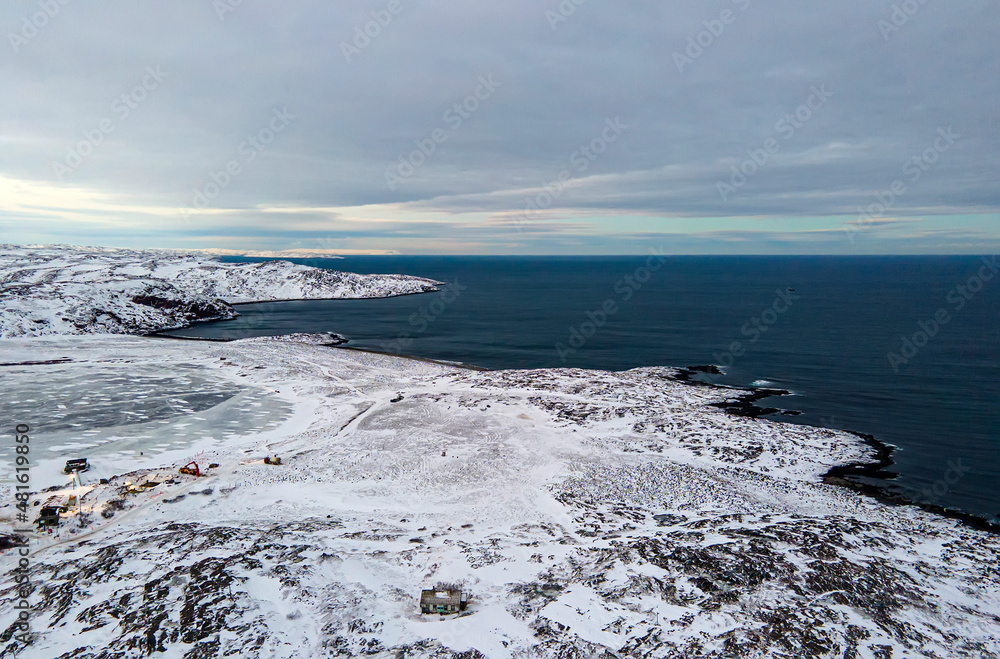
{"type": "Point", "coordinates": [744, 404]}
{"type": "Point", "coordinates": [61, 290]}
{"type": "Point", "coordinates": [221, 319]}
{"type": "Point", "coordinates": [840, 475]}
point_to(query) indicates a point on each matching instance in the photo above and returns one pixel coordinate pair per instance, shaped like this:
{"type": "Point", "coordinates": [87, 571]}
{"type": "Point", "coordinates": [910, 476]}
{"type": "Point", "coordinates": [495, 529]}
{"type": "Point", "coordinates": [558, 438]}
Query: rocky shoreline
{"type": "Point", "coordinates": [846, 475]}
{"type": "Point", "coordinates": [61, 290]}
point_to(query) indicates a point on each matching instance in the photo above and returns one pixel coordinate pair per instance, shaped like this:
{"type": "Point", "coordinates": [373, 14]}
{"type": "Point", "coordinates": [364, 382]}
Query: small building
{"type": "Point", "coordinates": [48, 516]}
{"type": "Point", "coordinates": [443, 601]}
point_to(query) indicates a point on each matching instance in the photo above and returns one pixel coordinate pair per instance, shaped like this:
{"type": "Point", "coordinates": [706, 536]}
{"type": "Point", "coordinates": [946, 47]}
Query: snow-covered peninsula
{"type": "Point", "coordinates": [71, 290]}
{"type": "Point", "coordinates": [585, 513]}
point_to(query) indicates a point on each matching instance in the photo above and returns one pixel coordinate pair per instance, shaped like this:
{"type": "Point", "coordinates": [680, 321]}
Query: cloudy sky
{"type": "Point", "coordinates": [707, 126]}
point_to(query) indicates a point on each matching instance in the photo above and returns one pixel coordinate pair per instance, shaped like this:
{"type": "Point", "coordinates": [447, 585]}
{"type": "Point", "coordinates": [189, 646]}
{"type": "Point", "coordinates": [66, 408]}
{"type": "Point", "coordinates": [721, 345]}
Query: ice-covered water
{"type": "Point", "coordinates": [97, 396]}
{"type": "Point", "coordinates": [100, 409]}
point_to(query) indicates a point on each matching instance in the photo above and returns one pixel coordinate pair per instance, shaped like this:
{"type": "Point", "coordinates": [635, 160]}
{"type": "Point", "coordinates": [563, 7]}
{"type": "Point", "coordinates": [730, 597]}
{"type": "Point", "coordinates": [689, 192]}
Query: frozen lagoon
{"type": "Point", "coordinates": [120, 412]}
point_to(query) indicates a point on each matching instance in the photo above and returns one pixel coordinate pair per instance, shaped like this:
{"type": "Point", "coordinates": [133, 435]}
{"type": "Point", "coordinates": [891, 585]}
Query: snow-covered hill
{"type": "Point", "coordinates": [588, 514]}
{"type": "Point", "coordinates": [72, 290]}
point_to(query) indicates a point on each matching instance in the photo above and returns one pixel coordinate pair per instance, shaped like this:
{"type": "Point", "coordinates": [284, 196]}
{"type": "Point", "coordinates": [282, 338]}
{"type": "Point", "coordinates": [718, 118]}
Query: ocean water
{"type": "Point", "coordinates": [904, 348]}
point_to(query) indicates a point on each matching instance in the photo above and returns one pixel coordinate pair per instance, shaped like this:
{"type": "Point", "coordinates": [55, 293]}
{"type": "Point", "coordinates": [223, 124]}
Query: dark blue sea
{"type": "Point", "coordinates": [904, 348]}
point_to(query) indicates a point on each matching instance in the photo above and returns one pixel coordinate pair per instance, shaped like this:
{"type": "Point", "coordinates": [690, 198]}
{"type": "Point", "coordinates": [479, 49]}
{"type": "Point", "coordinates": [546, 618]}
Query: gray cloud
{"type": "Point", "coordinates": [353, 120]}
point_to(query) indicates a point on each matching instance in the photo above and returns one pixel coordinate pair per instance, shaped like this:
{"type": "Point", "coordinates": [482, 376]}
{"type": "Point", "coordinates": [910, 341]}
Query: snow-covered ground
{"type": "Point", "coordinates": [72, 290]}
{"type": "Point", "coordinates": [588, 514]}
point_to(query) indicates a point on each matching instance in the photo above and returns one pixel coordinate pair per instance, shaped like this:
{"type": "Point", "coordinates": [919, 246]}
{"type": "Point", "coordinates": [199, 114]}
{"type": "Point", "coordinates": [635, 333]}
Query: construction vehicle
{"type": "Point", "coordinates": [272, 461]}
{"type": "Point", "coordinates": [191, 469]}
